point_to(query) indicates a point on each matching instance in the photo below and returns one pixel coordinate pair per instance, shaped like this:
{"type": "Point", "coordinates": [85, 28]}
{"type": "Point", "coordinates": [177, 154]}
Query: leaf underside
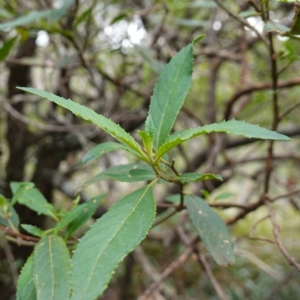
{"type": "Point", "coordinates": [112, 237]}
{"type": "Point", "coordinates": [211, 229]}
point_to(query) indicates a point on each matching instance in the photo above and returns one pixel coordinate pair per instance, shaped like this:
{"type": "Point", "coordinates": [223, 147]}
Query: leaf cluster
{"type": "Point", "coordinates": [51, 271]}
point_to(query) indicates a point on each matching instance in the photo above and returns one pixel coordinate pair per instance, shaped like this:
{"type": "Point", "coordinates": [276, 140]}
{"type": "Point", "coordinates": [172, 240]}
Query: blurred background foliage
{"type": "Point", "coordinates": [107, 55]}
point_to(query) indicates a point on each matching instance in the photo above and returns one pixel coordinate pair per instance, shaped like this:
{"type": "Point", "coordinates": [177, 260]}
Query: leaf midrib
{"type": "Point", "coordinates": [51, 266]}
{"type": "Point", "coordinates": [120, 227]}
{"type": "Point", "coordinates": [162, 118]}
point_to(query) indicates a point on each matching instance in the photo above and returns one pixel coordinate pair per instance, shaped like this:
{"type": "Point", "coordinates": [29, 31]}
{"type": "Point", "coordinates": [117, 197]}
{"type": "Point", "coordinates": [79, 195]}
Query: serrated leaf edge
{"type": "Point", "coordinates": [98, 257]}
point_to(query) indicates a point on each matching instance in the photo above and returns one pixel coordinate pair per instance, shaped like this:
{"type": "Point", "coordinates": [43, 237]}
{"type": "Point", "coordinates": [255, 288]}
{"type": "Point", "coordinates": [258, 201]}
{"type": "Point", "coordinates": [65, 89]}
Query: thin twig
{"type": "Point", "coordinates": [288, 111]}
{"type": "Point", "coordinates": [275, 106]}
{"type": "Point", "coordinates": [254, 5]}
{"type": "Point", "coordinates": [263, 240]}
{"type": "Point", "coordinates": [253, 227]}
{"type": "Point", "coordinates": [227, 205]}
{"type": "Point", "coordinates": [243, 21]}
{"type": "Point", "coordinates": [163, 219]}
{"type": "Point", "coordinates": [276, 231]}
{"type": "Point", "coordinates": [44, 127]}
{"type": "Point", "coordinates": [261, 201]}
{"type": "Point", "coordinates": [210, 275]}
{"type": "Point", "coordinates": [168, 271]}
{"type": "Point", "coordinates": [17, 234]}
{"type": "Point", "coordinates": [255, 88]}
{"type": "Point", "coordinates": [151, 271]}
{"type": "Point", "coordinates": [11, 260]}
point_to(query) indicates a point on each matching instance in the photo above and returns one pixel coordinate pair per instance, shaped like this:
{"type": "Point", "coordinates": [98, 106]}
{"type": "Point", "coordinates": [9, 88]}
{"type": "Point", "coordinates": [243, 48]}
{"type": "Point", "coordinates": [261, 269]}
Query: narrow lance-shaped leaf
{"type": "Point", "coordinates": [130, 173]}
{"type": "Point", "coordinates": [190, 22]}
{"type": "Point", "coordinates": [169, 94]}
{"type": "Point", "coordinates": [282, 29]}
{"type": "Point", "coordinates": [20, 190]}
{"type": "Point", "coordinates": [56, 14]}
{"type": "Point", "coordinates": [103, 148]}
{"type": "Point", "coordinates": [112, 237]}
{"type": "Point", "coordinates": [230, 127]}
{"type": "Point", "coordinates": [25, 287]}
{"type": "Point", "coordinates": [193, 177]}
{"type": "Point", "coordinates": [34, 230]}
{"type": "Point", "coordinates": [88, 114]}
{"type": "Point", "coordinates": [8, 215]}
{"type": "Point", "coordinates": [52, 269]}
{"type": "Point", "coordinates": [124, 173]}
{"type": "Point", "coordinates": [33, 198]}
{"type": "Point", "coordinates": [26, 19]}
{"type": "Point", "coordinates": [7, 46]}
{"type": "Point", "coordinates": [147, 141]}
{"type": "Point", "coordinates": [148, 57]}
{"type": "Point", "coordinates": [78, 215]}
{"type": "Point", "coordinates": [211, 229]}
{"type": "Point", "coordinates": [295, 29]}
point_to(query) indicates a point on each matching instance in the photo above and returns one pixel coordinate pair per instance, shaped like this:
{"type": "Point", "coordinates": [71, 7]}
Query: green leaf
{"type": "Point", "coordinates": [112, 237]}
{"type": "Point", "coordinates": [222, 196]}
{"type": "Point", "coordinates": [119, 17]}
{"type": "Point", "coordinates": [141, 175]}
{"type": "Point", "coordinates": [20, 190]}
{"type": "Point", "coordinates": [295, 29]}
{"type": "Point", "coordinates": [275, 26]}
{"type": "Point", "coordinates": [147, 141]}
{"type": "Point", "coordinates": [25, 287]}
{"type": "Point", "coordinates": [25, 20]}
{"type": "Point", "coordinates": [149, 57]}
{"type": "Point", "coordinates": [229, 127]}
{"type": "Point", "coordinates": [122, 173]}
{"type": "Point", "coordinates": [34, 199]}
{"type": "Point", "coordinates": [211, 229]}
{"type": "Point", "coordinates": [88, 114]}
{"type": "Point", "coordinates": [56, 14]}
{"type": "Point", "coordinates": [33, 230]}
{"type": "Point", "coordinates": [8, 215]}
{"type": "Point", "coordinates": [78, 215]}
{"type": "Point", "coordinates": [169, 94]}
{"type": "Point", "coordinates": [193, 177]}
{"type": "Point", "coordinates": [149, 126]}
{"type": "Point", "coordinates": [52, 269]}
{"type": "Point", "coordinates": [202, 4]}
{"type": "Point", "coordinates": [65, 61]}
{"type": "Point", "coordinates": [95, 179]}
{"type": "Point", "coordinates": [284, 30]}
{"type": "Point", "coordinates": [249, 13]}
{"type": "Point", "coordinates": [190, 22]}
{"type": "Point", "coordinates": [5, 14]}
{"type": "Point", "coordinates": [125, 173]}
{"type": "Point", "coordinates": [103, 148]}
{"type": "Point", "coordinates": [175, 198]}
{"type": "Point", "coordinates": [7, 46]}
{"type": "Point", "coordinates": [85, 15]}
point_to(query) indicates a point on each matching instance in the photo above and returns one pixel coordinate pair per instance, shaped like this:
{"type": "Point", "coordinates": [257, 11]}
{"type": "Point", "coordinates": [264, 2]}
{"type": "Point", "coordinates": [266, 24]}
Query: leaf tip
{"type": "Point", "coordinates": [198, 38]}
